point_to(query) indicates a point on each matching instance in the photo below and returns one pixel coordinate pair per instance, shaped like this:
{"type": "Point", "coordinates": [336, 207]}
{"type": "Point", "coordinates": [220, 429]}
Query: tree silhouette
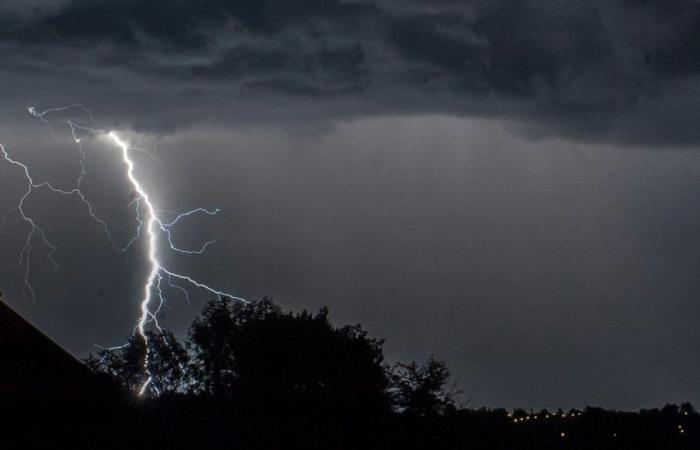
{"type": "Point", "coordinates": [211, 343]}
{"type": "Point", "coordinates": [258, 353]}
{"type": "Point", "coordinates": [167, 363]}
{"type": "Point", "coordinates": [253, 376]}
{"type": "Point", "coordinates": [422, 390]}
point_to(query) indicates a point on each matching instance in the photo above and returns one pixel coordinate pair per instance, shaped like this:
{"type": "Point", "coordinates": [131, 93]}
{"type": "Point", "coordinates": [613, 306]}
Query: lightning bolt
{"type": "Point", "coordinates": [150, 224]}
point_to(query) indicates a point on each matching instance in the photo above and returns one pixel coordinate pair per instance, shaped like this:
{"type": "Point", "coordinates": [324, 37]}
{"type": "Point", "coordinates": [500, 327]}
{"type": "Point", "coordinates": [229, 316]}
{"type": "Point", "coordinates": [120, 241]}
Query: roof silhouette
{"type": "Point", "coordinates": [50, 399]}
{"type": "Point", "coordinates": [32, 365]}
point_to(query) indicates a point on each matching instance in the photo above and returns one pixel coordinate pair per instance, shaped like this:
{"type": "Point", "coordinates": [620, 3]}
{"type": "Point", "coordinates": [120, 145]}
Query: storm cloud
{"type": "Point", "coordinates": [615, 71]}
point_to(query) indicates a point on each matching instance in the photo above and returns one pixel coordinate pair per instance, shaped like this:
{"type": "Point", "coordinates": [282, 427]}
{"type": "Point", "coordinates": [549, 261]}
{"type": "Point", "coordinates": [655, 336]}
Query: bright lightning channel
{"type": "Point", "coordinates": [152, 224]}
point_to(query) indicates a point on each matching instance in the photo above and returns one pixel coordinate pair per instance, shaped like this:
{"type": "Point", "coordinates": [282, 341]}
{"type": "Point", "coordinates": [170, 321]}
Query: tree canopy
{"type": "Point", "coordinates": [259, 354]}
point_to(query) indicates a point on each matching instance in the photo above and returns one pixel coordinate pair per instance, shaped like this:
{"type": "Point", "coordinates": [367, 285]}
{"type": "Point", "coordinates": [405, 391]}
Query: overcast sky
{"type": "Point", "coordinates": [510, 186]}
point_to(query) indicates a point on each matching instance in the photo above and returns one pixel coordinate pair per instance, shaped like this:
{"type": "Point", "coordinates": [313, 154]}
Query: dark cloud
{"type": "Point", "coordinates": [302, 71]}
{"type": "Point", "coordinates": [593, 71]}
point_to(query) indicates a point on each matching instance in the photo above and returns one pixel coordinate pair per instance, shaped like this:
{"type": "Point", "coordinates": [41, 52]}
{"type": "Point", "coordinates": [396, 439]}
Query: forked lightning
{"type": "Point", "coordinates": [156, 229]}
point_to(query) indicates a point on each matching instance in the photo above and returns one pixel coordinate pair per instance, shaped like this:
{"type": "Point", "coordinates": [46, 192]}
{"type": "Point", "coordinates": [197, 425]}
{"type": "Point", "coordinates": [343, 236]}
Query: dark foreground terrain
{"type": "Point", "coordinates": [190, 422]}
{"type": "Point", "coordinates": [256, 377]}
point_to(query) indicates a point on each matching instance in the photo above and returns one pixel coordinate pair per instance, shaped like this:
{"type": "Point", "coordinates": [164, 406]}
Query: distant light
{"type": "Point", "coordinates": [563, 434]}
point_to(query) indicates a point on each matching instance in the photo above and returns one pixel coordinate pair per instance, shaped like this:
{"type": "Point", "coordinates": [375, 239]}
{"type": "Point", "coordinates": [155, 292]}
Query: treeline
{"type": "Point", "coordinates": [252, 376]}
{"type": "Point", "coordinates": [257, 353]}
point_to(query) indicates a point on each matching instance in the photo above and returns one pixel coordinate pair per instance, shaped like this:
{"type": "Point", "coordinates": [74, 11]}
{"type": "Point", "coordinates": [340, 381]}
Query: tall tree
{"type": "Point", "coordinates": [258, 352]}
{"type": "Point", "coordinates": [167, 363]}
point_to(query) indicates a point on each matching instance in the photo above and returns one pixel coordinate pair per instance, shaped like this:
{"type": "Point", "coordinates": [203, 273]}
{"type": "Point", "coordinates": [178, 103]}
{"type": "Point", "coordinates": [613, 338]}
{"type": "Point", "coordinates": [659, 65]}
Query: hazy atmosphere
{"type": "Point", "coordinates": [525, 208]}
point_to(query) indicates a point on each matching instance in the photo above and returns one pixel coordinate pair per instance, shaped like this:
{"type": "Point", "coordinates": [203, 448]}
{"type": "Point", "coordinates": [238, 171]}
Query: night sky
{"type": "Point", "coordinates": [510, 186]}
